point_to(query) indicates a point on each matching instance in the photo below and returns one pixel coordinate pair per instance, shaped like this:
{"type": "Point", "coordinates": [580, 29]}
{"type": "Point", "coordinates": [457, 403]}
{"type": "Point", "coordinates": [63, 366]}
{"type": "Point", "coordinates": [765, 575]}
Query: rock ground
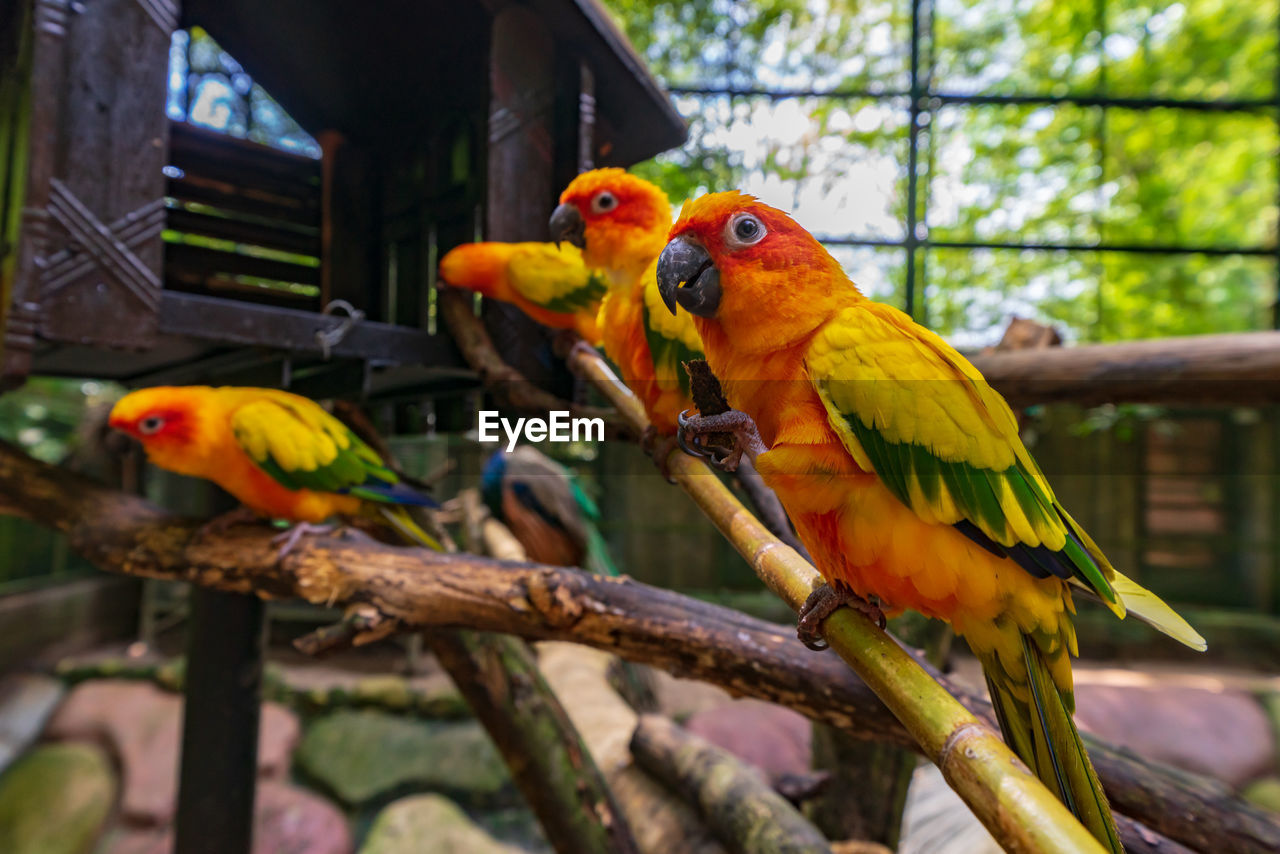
{"type": "Point", "coordinates": [367, 757]}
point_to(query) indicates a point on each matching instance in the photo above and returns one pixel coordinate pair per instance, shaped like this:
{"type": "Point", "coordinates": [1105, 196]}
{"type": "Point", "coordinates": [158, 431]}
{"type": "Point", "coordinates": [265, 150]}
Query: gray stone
{"type": "Point", "coordinates": [55, 799]}
{"type": "Point", "coordinates": [1221, 734]}
{"type": "Point", "coordinates": [142, 725]}
{"type": "Point", "coordinates": [26, 702]}
{"type": "Point", "coordinates": [363, 756]}
{"type": "Point", "coordinates": [429, 824]}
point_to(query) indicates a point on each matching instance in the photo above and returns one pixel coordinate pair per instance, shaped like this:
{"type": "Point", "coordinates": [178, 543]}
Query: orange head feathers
{"type": "Point", "coordinates": [733, 260]}
{"type": "Point", "coordinates": [617, 219]}
{"type": "Point", "coordinates": [170, 422]}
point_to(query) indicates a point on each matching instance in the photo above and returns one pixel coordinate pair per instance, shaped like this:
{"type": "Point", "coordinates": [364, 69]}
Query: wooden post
{"type": "Point", "coordinates": [220, 723]}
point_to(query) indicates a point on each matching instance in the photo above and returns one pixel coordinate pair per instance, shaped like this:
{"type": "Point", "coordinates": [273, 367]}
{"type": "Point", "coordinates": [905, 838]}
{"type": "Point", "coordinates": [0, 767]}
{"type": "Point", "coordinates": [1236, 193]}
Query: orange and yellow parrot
{"type": "Point", "coordinates": [549, 283]}
{"type": "Point", "coordinates": [902, 470]}
{"type": "Point", "coordinates": [621, 223]}
{"type": "Point", "coordinates": [281, 455]}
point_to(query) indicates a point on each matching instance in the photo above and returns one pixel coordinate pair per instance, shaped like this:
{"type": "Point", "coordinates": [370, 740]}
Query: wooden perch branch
{"type": "Point", "coordinates": [508, 384]}
{"type": "Point", "coordinates": [413, 587]}
{"type": "Point", "coordinates": [743, 810]}
{"type": "Point", "coordinates": [1240, 368]}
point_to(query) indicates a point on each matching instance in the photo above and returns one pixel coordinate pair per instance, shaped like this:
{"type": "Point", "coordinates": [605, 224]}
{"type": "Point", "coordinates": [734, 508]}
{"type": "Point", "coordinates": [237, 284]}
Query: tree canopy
{"type": "Point", "coordinates": [996, 173]}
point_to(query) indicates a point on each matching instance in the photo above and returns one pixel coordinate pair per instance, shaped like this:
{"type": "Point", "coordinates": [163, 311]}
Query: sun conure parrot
{"type": "Point", "coordinates": [902, 470]}
{"type": "Point", "coordinates": [281, 455]}
{"type": "Point", "coordinates": [547, 282]}
{"type": "Point", "coordinates": [546, 509]}
{"type": "Point", "coordinates": [620, 221]}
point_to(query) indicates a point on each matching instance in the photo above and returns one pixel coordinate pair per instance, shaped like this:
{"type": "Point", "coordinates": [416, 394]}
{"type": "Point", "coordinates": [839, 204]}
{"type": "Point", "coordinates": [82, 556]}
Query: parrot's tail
{"type": "Point", "coordinates": [597, 559]}
{"type": "Point", "coordinates": [402, 520]}
{"type": "Point", "coordinates": [1035, 718]}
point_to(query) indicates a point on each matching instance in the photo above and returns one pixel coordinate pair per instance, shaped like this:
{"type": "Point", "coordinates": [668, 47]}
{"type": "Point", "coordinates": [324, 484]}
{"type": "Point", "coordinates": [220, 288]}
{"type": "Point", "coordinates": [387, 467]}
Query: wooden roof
{"type": "Point", "coordinates": [372, 70]}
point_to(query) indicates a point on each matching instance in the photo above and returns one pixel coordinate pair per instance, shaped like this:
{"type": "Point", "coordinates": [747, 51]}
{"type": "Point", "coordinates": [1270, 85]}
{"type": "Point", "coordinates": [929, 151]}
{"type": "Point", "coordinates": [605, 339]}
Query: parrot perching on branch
{"type": "Point", "coordinates": [902, 470]}
{"type": "Point", "coordinates": [545, 507]}
{"type": "Point", "coordinates": [621, 223]}
{"type": "Point", "coordinates": [280, 454]}
{"type": "Point", "coordinates": [549, 283]}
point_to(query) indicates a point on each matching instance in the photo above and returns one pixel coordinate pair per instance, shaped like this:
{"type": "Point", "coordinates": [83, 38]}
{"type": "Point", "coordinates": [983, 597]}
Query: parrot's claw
{"type": "Point", "coordinates": [690, 428]}
{"type": "Point", "coordinates": [824, 602]}
{"type": "Point", "coordinates": [288, 540]}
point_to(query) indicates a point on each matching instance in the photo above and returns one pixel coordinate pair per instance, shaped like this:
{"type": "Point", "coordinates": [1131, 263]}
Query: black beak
{"type": "Point", "coordinates": [686, 263]}
{"type": "Point", "coordinates": [567, 224]}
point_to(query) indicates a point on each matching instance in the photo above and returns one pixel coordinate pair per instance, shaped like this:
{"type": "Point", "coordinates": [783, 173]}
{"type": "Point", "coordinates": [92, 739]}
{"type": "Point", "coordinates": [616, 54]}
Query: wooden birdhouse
{"type": "Point", "coordinates": [141, 247]}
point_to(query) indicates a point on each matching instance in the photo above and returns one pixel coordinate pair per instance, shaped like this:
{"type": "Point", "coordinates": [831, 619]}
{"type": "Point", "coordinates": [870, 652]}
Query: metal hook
{"type": "Point", "coordinates": [330, 338]}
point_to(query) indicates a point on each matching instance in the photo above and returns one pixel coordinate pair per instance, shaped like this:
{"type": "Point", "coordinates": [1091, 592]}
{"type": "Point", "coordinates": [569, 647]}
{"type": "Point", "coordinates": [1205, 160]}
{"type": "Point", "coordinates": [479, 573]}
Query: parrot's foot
{"type": "Point", "coordinates": [659, 447]}
{"type": "Point", "coordinates": [222, 523]}
{"type": "Point", "coordinates": [746, 438]}
{"type": "Point", "coordinates": [288, 540]}
{"type": "Point", "coordinates": [824, 602]}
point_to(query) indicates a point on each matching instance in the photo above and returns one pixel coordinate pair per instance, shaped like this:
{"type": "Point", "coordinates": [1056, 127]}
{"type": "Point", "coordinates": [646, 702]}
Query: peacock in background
{"type": "Point", "coordinates": [545, 507]}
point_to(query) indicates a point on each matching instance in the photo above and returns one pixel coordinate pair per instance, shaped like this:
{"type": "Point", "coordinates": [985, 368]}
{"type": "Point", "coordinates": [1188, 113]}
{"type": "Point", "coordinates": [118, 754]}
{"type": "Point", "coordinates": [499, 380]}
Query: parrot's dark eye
{"type": "Point", "coordinates": [603, 202]}
{"type": "Point", "coordinates": [744, 230]}
{"type": "Point", "coordinates": [151, 424]}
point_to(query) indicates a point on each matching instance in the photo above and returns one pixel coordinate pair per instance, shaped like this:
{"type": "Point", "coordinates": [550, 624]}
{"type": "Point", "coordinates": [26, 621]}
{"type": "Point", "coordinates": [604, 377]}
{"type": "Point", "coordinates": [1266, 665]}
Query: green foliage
{"type": "Point", "coordinates": [999, 173]}
{"type": "Point", "coordinates": [44, 415]}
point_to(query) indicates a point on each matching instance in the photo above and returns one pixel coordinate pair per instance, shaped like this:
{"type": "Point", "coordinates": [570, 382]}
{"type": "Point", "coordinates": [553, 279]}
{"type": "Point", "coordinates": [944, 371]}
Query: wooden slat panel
{"type": "Point", "coordinates": [301, 239]}
{"type": "Point", "coordinates": [303, 192]}
{"type": "Point", "coordinates": [243, 199]}
{"type": "Point", "coordinates": [182, 260]}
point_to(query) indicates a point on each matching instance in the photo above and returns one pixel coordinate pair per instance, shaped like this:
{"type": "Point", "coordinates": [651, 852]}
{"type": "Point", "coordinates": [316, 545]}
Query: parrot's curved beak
{"type": "Point", "coordinates": [567, 224]}
{"type": "Point", "coordinates": [686, 263]}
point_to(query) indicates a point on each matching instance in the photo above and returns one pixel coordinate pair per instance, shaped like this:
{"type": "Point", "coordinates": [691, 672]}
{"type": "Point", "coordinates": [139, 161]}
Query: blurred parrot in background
{"type": "Point", "coordinates": [544, 506]}
{"type": "Point", "coordinates": [902, 470]}
{"type": "Point", "coordinates": [281, 455]}
{"type": "Point", "coordinates": [621, 223]}
{"type": "Point", "coordinates": [549, 283]}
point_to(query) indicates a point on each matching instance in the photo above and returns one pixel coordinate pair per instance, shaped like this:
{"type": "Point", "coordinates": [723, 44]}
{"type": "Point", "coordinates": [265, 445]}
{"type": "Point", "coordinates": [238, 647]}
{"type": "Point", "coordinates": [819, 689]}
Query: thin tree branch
{"type": "Point", "coordinates": [505, 382]}
{"type": "Point", "coordinates": [743, 810]}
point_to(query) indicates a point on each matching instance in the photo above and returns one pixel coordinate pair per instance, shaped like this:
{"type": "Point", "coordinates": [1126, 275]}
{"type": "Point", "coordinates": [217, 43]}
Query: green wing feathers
{"type": "Point", "coordinates": [303, 447]}
{"type": "Point", "coordinates": [913, 410]}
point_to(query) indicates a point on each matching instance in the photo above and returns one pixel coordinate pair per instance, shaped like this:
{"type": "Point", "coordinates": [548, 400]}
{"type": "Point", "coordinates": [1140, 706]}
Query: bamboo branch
{"type": "Point", "coordinates": [1010, 801]}
{"type": "Point", "coordinates": [743, 810]}
{"type": "Point", "coordinates": [415, 588]}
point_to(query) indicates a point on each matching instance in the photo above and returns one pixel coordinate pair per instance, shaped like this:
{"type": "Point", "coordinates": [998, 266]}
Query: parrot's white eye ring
{"type": "Point", "coordinates": [604, 202]}
{"type": "Point", "coordinates": [150, 425]}
{"type": "Point", "coordinates": [744, 229]}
